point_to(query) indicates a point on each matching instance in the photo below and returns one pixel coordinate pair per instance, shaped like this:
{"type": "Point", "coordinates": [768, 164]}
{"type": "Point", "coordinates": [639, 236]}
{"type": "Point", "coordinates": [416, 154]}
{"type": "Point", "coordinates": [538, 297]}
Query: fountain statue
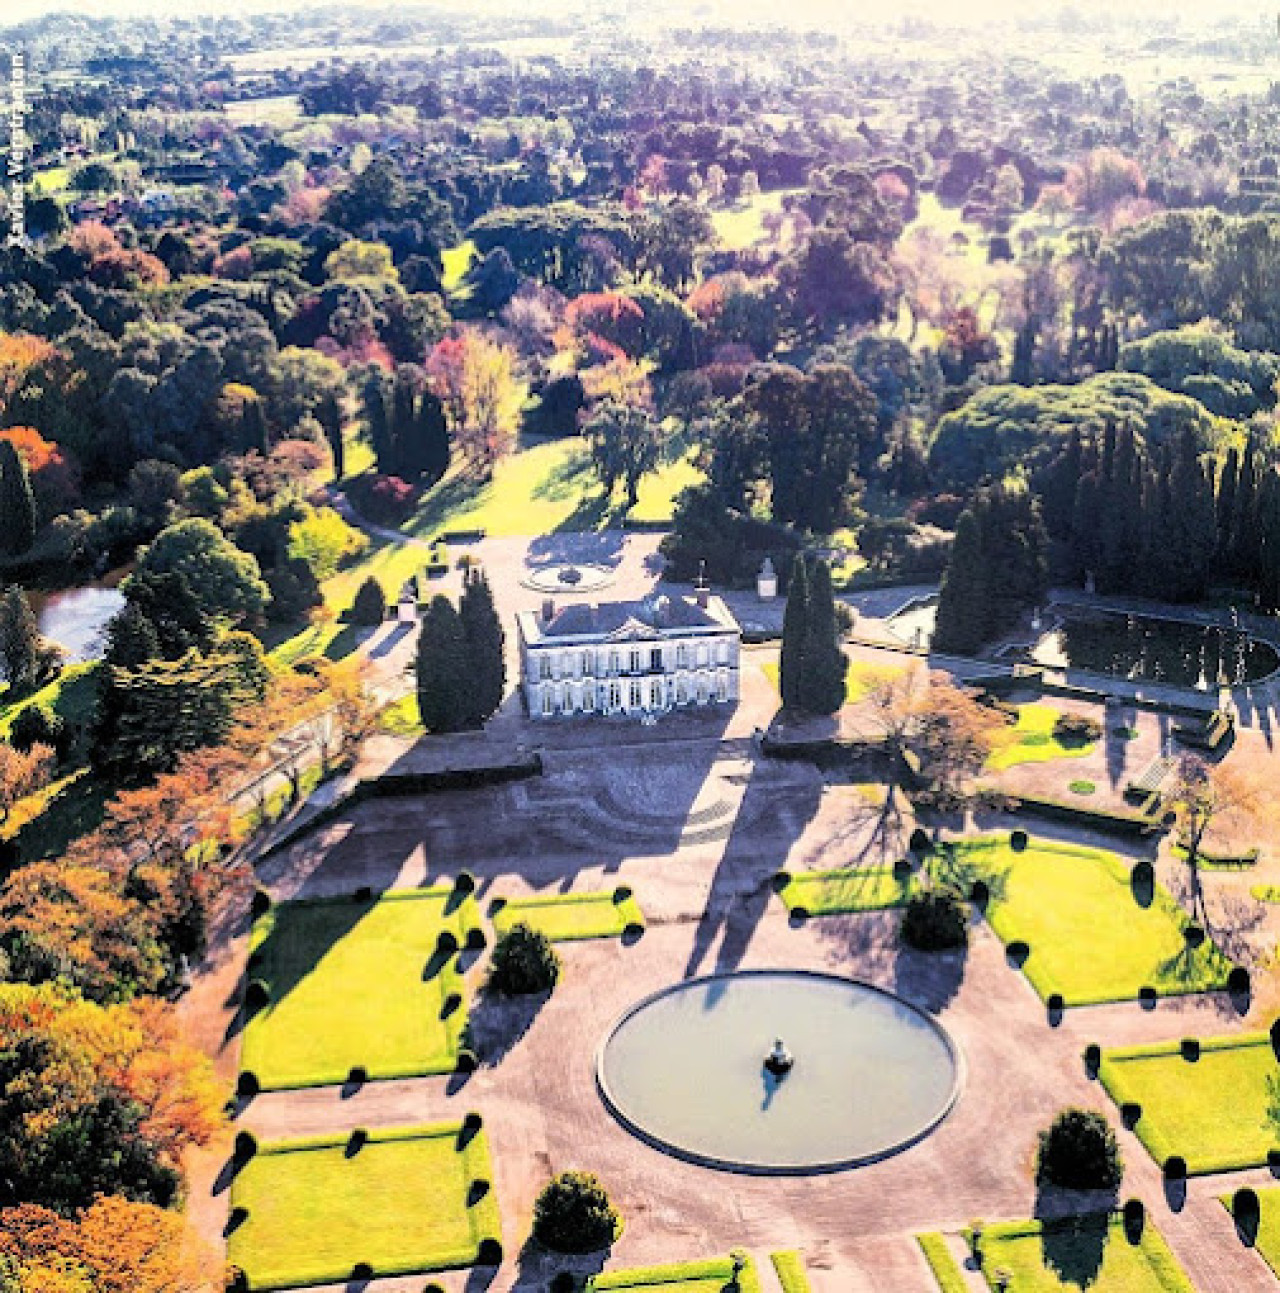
{"type": "Point", "coordinates": [779, 1061]}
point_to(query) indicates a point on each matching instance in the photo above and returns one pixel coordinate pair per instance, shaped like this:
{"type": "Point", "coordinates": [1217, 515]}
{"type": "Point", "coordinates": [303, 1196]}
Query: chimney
{"type": "Point", "coordinates": [701, 590]}
{"type": "Point", "coordinates": [548, 610]}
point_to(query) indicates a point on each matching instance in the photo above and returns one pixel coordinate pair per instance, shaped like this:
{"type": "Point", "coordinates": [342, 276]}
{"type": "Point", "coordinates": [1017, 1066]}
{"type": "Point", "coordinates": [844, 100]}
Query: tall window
{"type": "Point", "coordinates": [637, 696]}
{"type": "Point", "coordinates": [588, 697]}
{"type": "Point", "coordinates": [682, 656]}
{"type": "Point", "coordinates": [615, 662]}
{"type": "Point", "coordinates": [655, 660]}
{"type": "Point", "coordinates": [722, 686]}
{"type": "Point", "coordinates": [548, 701]}
{"type": "Point", "coordinates": [544, 667]}
{"type": "Point", "coordinates": [635, 660]}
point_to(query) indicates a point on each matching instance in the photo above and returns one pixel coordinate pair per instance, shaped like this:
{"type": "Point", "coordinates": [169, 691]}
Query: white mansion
{"type": "Point", "coordinates": [633, 658]}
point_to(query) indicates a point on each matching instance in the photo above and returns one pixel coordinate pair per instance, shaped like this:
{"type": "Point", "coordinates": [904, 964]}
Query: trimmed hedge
{"type": "Point", "coordinates": [944, 1267]}
{"type": "Point", "coordinates": [1111, 821]}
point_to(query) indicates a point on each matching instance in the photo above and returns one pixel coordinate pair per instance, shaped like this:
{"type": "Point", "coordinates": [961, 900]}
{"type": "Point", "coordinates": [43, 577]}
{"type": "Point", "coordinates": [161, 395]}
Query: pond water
{"type": "Point", "coordinates": [75, 618]}
{"type": "Point", "coordinates": [685, 1071]}
{"type": "Point", "coordinates": [1143, 648]}
{"type": "Point", "coordinates": [1152, 649]}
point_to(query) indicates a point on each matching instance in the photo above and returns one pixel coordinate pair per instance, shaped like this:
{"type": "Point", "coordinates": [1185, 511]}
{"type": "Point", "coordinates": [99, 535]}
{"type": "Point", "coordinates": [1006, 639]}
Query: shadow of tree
{"type": "Point", "coordinates": [537, 1267]}
{"type": "Point", "coordinates": [497, 1023]}
{"type": "Point", "coordinates": [1075, 1231]}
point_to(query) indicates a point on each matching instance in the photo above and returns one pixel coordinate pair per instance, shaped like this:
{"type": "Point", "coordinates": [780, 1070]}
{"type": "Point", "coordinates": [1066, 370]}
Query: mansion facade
{"type": "Point", "coordinates": [638, 659]}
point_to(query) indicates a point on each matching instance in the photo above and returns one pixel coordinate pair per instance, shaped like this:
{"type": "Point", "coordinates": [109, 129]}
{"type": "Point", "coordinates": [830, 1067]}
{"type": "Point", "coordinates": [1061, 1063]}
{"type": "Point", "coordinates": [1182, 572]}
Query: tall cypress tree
{"type": "Point", "coordinates": [1191, 528]}
{"type": "Point", "coordinates": [19, 639]}
{"type": "Point", "coordinates": [329, 415]}
{"type": "Point", "coordinates": [377, 415]}
{"type": "Point", "coordinates": [1228, 482]}
{"type": "Point", "coordinates": [442, 669]}
{"type": "Point", "coordinates": [795, 634]}
{"type": "Point", "coordinates": [1244, 517]}
{"type": "Point", "coordinates": [961, 624]}
{"type": "Point", "coordinates": [1268, 535]}
{"type": "Point", "coordinates": [485, 644]}
{"type": "Point", "coordinates": [253, 428]}
{"type": "Point", "coordinates": [17, 503]}
{"type": "Point", "coordinates": [825, 664]}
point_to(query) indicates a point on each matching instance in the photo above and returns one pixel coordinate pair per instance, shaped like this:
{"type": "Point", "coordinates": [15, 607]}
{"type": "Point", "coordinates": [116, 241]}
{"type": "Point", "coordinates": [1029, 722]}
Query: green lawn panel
{"type": "Point", "coordinates": [945, 1269]}
{"type": "Point", "coordinates": [1091, 940]}
{"type": "Point", "coordinates": [829, 893]}
{"type": "Point", "coordinates": [402, 1203]}
{"type": "Point", "coordinates": [563, 917]}
{"type": "Point", "coordinates": [357, 984]}
{"type": "Point", "coordinates": [1211, 1110]}
{"type": "Point", "coordinates": [1031, 740]}
{"type": "Point", "coordinates": [791, 1273]}
{"type": "Point", "coordinates": [1094, 1253]}
{"type": "Point", "coordinates": [712, 1276]}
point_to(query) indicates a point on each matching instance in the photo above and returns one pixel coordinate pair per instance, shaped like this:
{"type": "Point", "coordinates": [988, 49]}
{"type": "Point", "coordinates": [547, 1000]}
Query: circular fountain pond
{"type": "Point", "coordinates": [686, 1070]}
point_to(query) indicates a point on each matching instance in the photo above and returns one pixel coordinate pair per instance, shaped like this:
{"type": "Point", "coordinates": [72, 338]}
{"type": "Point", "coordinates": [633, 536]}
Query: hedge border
{"type": "Point", "coordinates": [950, 1278]}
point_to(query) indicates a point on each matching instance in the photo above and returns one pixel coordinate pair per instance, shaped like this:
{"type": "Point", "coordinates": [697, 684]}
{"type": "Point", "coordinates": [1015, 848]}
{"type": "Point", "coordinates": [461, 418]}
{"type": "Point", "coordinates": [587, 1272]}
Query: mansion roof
{"type": "Point", "coordinates": [651, 618]}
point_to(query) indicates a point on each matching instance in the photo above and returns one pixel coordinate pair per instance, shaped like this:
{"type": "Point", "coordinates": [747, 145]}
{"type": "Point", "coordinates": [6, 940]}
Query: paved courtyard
{"type": "Point", "coordinates": [697, 827]}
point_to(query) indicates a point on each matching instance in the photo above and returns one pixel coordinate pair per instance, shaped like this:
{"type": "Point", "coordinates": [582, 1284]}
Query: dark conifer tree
{"type": "Point", "coordinates": [17, 503]}
{"type": "Point", "coordinates": [19, 640]}
{"type": "Point", "coordinates": [1268, 538]}
{"type": "Point", "coordinates": [795, 632]}
{"type": "Point", "coordinates": [329, 415]}
{"type": "Point", "coordinates": [442, 669]}
{"type": "Point", "coordinates": [253, 428]}
{"type": "Point", "coordinates": [1228, 482]}
{"type": "Point", "coordinates": [961, 622]}
{"type": "Point", "coordinates": [485, 644]}
{"type": "Point", "coordinates": [822, 678]}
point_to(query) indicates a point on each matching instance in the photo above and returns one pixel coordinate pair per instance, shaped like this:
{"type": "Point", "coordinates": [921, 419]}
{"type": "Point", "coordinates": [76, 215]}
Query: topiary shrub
{"type": "Point", "coordinates": [920, 841]}
{"type": "Point", "coordinates": [1194, 935]}
{"type": "Point", "coordinates": [370, 604]}
{"type": "Point", "coordinates": [1143, 875]}
{"type": "Point", "coordinates": [467, 1061]}
{"type": "Point", "coordinates": [446, 943]}
{"type": "Point", "coordinates": [524, 962]}
{"type": "Point", "coordinates": [1134, 1217]}
{"type": "Point", "coordinates": [1079, 1152]}
{"type": "Point", "coordinates": [358, 1139]}
{"type": "Point", "coordinates": [1175, 1168]}
{"type": "Point", "coordinates": [1239, 981]}
{"type": "Point", "coordinates": [1018, 840]}
{"type": "Point", "coordinates": [622, 893]}
{"type": "Point", "coordinates": [475, 939]}
{"type": "Point", "coordinates": [489, 1253]}
{"type": "Point", "coordinates": [1055, 1004]}
{"type": "Point", "coordinates": [1092, 1059]}
{"type": "Point", "coordinates": [980, 894]}
{"type": "Point", "coordinates": [935, 921]}
{"type": "Point", "coordinates": [246, 1146]}
{"type": "Point", "coordinates": [1190, 1048]}
{"type": "Point", "coordinates": [247, 1085]}
{"type": "Point", "coordinates": [260, 903]}
{"type": "Point", "coordinates": [1076, 729]}
{"type": "Point", "coordinates": [257, 996]}
{"type": "Point", "coordinates": [465, 883]}
{"type": "Point", "coordinates": [574, 1214]}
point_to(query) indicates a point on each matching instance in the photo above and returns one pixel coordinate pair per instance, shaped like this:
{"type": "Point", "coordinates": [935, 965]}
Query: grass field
{"type": "Point", "coordinates": [544, 488]}
{"type": "Point", "coordinates": [357, 984]}
{"type": "Point", "coordinates": [563, 917]}
{"type": "Point", "coordinates": [741, 225]}
{"type": "Point", "coordinates": [457, 261]}
{"type": "Point", "coordinates": [1091, 939]}
{"type": "Point", "coordinates": [714, 1276]}
{"type": "Point", "coordinates": [405, 1201]}
{"type": "Point", "coordinates": [1212, 1110]}
{"type": "Point", "coordinates": [1031, 740]}
{"type": "Point", "coordinates": [946, 1272]}
{"type": "Point", "coordinates": [1091, 1252]}
{"type": "Point", "coordinates": [72, 694]}
{"type": "Point", "coordinates": [1267, 1240]}
{"type": "Point", "coordinates": [828, 893]}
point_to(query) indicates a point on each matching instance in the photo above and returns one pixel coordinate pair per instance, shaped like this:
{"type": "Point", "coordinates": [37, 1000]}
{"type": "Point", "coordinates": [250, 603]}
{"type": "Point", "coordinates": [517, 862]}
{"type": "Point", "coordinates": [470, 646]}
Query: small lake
{"type": "Point", "coordinates": [1152, 649]}
{"type": "Point", "coordinates": [76, 618]}
{"type": "Point", "coordinates": [1141, 648]}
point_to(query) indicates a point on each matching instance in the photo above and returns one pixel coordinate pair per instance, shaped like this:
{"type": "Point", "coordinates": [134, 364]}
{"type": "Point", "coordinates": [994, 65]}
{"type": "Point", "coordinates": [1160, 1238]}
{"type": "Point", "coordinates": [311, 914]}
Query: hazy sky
{"type": "Point", "coordinates": [808, 12]}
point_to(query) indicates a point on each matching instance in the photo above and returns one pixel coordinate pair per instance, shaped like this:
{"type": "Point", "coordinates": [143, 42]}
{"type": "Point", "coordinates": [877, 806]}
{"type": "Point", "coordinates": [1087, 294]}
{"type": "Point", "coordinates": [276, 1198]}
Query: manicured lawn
{"type": "Point", "coordinates": [1091, 1252]}
{"type": "Point", "coordinates": [1090, 937]}
{"type": "Point", "coordinates": [550, 486]}
{"type": "Point", "coordinates": [859, 678]}
{"type": "Point", "coordinates": [404, 1201]}
{"type": "Point", "coordinates": [712, 1276]}
{"type": "Point", "coordinates": [828, 893]}
{"type": "Point", "coordinates": [1211, 1110]}
{"type": "Point", "coordinates": [566, 916]}
{"type": "Point", "coordinates": [1267, 1241]}
{"type": "Point", "coordinates": [72, 694]}
{"type": "Point", "coordinates": [945, 1269]}
{"type": "Point", "coordinates": [1031, 740]}
{"type": "Point", "coordinates": [791, 1272]}
{"type": "Point", "coordinates": [357, 984]}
